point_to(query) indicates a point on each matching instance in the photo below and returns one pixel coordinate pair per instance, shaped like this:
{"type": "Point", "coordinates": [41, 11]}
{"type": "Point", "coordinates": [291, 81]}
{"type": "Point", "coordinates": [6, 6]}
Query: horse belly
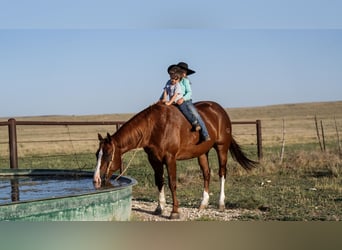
{"type": "Point", "coordinates": [191, 152]}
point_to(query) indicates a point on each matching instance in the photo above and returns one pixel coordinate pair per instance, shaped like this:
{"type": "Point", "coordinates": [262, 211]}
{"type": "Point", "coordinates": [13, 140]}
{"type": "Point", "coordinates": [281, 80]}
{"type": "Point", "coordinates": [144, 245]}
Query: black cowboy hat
{"type": "Point", "coordinates": [182, 65]}
{"type": "Point", "coordinates": [185, 66]}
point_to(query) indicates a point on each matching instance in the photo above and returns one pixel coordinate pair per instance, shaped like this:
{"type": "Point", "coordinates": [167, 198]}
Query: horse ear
{"type": "Point", "coordinates": [100, 137]}
{"type": "Point", "coordinates": [108, 137]}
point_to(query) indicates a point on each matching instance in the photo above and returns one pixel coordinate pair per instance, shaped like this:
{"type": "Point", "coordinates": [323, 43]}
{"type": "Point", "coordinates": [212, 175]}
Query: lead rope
{"type": "Point", "coordinates": [128, 164]}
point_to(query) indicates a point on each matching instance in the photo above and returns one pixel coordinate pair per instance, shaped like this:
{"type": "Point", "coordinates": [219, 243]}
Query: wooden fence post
{"type": "Point", "coordinates": [338, 138]}
{"type": "Point", "coordinates": [259, 139]}
{"type": "Point", "coordinates": [323, 137]}
{"type": "Point", "coordinates": [283, 144]}
{"type": "Point", "coordinates": [317, 132]}
{"type": "Point", "coordinates": [12, 135]}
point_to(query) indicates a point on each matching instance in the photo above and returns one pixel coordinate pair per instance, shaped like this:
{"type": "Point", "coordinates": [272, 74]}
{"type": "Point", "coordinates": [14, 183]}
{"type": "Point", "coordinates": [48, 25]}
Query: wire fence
{"type": "Point", "coordinates": [72, 144]}
{"type": "Point", "coordinates": [48, 144]}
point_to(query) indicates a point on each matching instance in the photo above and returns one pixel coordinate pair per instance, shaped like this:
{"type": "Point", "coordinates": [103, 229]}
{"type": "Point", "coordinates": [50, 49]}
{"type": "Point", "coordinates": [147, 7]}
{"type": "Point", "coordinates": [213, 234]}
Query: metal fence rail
{"type": "Point", "coordinates": [12, 132]}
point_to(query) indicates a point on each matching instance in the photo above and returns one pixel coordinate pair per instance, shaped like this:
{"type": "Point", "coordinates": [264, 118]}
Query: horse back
{"type": "Point", "coordinates": [172, 133]}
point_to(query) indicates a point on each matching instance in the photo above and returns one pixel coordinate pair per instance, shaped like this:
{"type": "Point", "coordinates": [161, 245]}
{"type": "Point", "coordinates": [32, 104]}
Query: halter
{"type": "Point", "coordinates": [111, 161]}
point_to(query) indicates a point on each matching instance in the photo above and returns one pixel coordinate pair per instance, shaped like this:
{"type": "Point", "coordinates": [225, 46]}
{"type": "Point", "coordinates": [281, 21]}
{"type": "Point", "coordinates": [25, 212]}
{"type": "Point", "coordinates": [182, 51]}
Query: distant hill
{"type": "Point", "coordinates": [321, 109]}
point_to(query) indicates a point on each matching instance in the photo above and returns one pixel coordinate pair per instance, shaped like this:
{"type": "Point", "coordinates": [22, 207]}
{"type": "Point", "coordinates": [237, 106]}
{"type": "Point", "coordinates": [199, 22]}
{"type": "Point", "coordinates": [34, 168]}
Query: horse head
{"type": "Point", "coordinates": [107, 162]}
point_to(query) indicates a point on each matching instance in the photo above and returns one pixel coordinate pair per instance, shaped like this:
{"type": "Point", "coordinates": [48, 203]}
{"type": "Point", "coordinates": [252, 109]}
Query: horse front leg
{"type": "Point", "coordinates": [161, 202]}
{"type": "Point", "coordinates": [204, 164]}
{"type": "Point", "coordinates": [159, 182]}
{"type": "Point", "coordinates": [172, 176]}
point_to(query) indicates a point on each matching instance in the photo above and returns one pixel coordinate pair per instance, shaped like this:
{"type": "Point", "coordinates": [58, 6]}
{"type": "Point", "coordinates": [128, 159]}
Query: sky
{"type": "Point", "coordinates": [91, 57]}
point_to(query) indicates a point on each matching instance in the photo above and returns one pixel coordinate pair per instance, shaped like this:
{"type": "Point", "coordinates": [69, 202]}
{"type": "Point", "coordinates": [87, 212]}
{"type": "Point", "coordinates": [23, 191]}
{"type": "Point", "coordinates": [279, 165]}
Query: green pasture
{"type": "Point", "coordinates": [305, 186]}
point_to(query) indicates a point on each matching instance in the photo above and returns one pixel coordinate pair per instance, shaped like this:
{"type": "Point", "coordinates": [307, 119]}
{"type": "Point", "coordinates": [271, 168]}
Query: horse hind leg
{"type": "Point", "coordinates": [172, 177]}
{"type": "Point", "coordinates": [222, 205]}
{"type": "Point", "coordinates": [222, 154]}
{"type": "Point", "coordinates": [204, 164]}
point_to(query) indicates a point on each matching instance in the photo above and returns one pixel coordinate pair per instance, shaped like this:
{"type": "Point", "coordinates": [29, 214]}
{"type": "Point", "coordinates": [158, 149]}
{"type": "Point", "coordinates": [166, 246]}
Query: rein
{"type": "Point", "coordinates": [129, 163]}
{"type": "Point", "coordinates": [111, 162]}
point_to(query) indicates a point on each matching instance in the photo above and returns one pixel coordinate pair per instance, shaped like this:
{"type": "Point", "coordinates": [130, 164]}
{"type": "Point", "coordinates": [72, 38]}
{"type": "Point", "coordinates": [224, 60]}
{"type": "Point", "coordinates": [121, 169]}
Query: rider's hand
{"type": "Point", "coordinates": [180, 101]}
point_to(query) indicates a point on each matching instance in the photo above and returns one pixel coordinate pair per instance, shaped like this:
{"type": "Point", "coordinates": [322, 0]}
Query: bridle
{"type": "Point", "coordinates": [111, 161]}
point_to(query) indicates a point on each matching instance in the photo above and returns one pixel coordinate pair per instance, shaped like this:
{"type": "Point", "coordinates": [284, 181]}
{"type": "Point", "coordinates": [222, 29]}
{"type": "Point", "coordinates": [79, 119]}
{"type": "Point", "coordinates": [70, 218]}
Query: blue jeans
{"type": "Point", "coordinates": [190, 112]}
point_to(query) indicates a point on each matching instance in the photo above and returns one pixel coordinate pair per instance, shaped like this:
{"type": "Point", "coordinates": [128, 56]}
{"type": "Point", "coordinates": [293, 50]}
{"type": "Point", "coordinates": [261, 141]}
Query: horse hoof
{"type": "Point", "coordinates": [158, 211]}
{"type": "Point", "coordinates": [174, 216]}
{"type": "Point", "coordinates": [202, 207]}
{"type": "Point", "coordinates": [222, 208]}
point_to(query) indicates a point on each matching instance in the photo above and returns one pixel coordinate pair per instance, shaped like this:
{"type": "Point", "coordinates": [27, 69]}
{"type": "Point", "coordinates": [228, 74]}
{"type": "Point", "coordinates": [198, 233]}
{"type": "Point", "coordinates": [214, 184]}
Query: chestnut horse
{"type": "Point", "coordinates": [166, 136]}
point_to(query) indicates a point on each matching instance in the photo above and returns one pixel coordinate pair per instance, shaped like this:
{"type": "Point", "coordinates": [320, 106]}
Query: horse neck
{"type": "Point", "coordinates": [131, 135]}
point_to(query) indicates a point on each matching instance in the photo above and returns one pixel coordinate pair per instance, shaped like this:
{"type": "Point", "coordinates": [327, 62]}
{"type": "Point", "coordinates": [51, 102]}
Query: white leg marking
{"type": "Point", "coordinates": [205, 199]}
{"type": "Point", "coordinates": [162, 200]}
{"type": "Point", "coordinates": [222, 196]}
{"type": "Point", "coordinates": [97, 177]}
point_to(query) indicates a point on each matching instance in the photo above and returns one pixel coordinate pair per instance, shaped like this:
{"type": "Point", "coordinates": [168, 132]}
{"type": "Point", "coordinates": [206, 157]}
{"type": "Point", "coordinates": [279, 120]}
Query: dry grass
{"type": "Point", "coordinates": [42, 140]}
{"type": "Point", "coordinates": [299, 120]}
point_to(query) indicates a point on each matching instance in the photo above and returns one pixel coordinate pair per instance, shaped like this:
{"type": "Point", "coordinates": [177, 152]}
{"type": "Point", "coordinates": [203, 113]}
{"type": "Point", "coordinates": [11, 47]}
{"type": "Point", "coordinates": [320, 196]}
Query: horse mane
{"type": "Point", "coordinates": [132, 132]}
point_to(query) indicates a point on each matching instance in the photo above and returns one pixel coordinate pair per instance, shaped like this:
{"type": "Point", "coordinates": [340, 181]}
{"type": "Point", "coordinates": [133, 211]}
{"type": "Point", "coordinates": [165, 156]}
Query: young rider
{"type": "Point", "coordinates": [185, 104]}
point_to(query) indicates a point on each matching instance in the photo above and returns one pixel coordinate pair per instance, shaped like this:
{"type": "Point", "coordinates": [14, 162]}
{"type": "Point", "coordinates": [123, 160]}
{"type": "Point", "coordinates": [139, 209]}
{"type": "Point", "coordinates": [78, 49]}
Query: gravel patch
{"type": "Point", "coordinates": [143, 211]}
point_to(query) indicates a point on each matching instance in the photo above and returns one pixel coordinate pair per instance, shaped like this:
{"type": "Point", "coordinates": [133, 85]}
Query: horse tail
{"type": "Point", "coordinates": [239, 156]}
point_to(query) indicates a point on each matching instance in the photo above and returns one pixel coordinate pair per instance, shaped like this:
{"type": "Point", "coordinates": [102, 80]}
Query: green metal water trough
{"type": "Point", "coordinates": [62, 195]}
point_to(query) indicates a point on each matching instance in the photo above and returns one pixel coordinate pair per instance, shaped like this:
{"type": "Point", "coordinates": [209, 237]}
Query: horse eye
{"type": "Point", "coordinates": [106, 157]}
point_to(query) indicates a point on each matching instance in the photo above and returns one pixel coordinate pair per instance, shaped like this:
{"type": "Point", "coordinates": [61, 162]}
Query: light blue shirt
{"type": "Point", "coordinates": [186, 89]}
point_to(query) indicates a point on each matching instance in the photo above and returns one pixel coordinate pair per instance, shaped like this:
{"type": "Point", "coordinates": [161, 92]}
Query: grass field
{"type": "Point", "coordinates": [305, 185]}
